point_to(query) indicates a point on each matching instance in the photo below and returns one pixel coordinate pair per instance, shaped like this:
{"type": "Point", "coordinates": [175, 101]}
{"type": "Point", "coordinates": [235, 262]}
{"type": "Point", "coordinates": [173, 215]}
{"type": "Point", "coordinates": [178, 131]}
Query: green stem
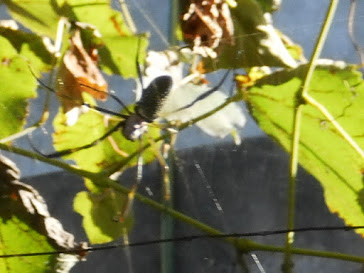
{"type": "Point", "coordinates": [19, 134]}
{"type": "Point", "coordinates": [309, 252]}
{"type": "Point", "coordinates": [173, 22]}
{"type": "Point", "coordinates": [55, 162]}
{"type": "Point", "coordinates": [242, 244]}
{"type": "Point", "coordinates": [181, 127]}
{"type": "Point", "coordinates": [127, 16]}
{"type": "Point", "coordinates": [287, 266]}
{"type": "Point", "coordinates": [167, 222]}
{"type": "Point", "coordinates": [208, 114]}
{"type": "Point", "coordinates": [337, 125]}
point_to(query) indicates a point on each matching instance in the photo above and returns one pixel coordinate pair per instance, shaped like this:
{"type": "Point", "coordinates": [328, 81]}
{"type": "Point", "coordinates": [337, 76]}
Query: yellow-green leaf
{"type": "Point", "coordinates": [40, 16]}
{"type": "Point", "coordinates": [17, 86]}
{"type": "Point", "coordinates": [120, 46]}
{"type": "Point", "coordinates": [101, 215]}
{"type": "Point", "coordinates": [90, 127]}
{"type": "Point", "coordinates": [323, 152]}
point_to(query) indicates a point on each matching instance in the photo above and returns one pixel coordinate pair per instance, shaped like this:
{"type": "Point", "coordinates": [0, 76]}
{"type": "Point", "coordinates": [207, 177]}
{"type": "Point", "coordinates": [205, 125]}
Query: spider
{"type": "Point", "coordinates": [134, 124]}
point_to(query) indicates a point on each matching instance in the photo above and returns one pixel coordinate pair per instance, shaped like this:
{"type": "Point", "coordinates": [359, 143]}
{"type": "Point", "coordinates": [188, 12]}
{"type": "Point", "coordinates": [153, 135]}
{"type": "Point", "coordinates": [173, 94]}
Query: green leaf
{"type": "Point", "coordinates": [19, 236]}
{"type": "Point", "coordinates": [39, 16]}
{"type": "Point", "coordinates": [120, 46]}
{"type": "Point", "coordinates": [256, 41]}
{"type": "Point", "coordinates": [27, 227]}
{"type": "Point", "coordinates": [30, 46]}
{"type": "Point", "coordinates": [17, 86]}
{"type": "Point", "coordinates": [100, 215]}
{"type": "Point", "coordinates": [90, 127]}
{"type": "Point", "coordinates": [322, 150]}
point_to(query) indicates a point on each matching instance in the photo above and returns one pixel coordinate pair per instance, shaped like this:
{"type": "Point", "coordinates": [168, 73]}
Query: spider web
{"type": "Point", "coordinates": [233, 188]}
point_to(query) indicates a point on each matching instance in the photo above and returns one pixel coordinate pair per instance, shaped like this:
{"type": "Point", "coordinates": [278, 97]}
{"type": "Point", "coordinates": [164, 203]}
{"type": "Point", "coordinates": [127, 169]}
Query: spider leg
{"type": "Point", "coordinates": [115, 98]}
{"type": "Point", "coordinates": [206, 94]}
{"type": "Point", "coordinates": [138, 66]}
{"type": "Point", "coordinates": [102, 110]}
{"type": "Point", "coordinates": [165, 171]}
{"type": "Point", "coordinates": [84, 103]}
{"type": "Point", "coordinates": [129, 203]}
{"type": "Point", "coordinates": [73, 150]}
{"type": "Point", "coordinates": [113, 143]}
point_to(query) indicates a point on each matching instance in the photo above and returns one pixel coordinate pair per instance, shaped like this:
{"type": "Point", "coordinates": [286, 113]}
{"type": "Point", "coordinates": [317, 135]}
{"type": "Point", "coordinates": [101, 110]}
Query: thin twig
{"type": "Point", "coordinates": [127, 17]}
{"type": "Point", "coordinates": [351, 17]}
{"type": "Point", "coordinates": [337, 125]}
{"type": "Point", "coordinates": [240, 241]}
{"type": "Point", "coordinates": [287, 265]}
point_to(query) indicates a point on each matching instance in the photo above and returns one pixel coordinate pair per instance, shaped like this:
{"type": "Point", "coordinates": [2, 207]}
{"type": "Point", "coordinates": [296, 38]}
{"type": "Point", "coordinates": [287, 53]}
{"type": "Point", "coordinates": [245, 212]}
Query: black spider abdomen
{"type": "Point", "coordinates": [153, 98]}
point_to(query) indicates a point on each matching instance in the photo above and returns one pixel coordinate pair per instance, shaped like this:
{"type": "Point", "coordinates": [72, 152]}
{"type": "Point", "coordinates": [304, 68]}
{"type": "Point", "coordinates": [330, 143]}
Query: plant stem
{"type": "Point", "coordinates": [55, 162]}
{"type": "Point", "coordinates": [287, 266]}
{"type": "Point", "coordinates": [174, 16]}
{"type": "Point", "coordinates": [19, 134]}
{"type": "Point", "coordinates": [127, 16]}
{"type": "Point", "coordinates": [181, 127]}
{"type": "Point", "coordinates": [208, 114]}
{"type": "Point", "coordinates": [242, 244]}
{"type": "Point", "coordinates": [309, 252]}
{"type": "Point", "coordinates": [337, 125]}
{"type": "Point", "coordinates": [167, 222]}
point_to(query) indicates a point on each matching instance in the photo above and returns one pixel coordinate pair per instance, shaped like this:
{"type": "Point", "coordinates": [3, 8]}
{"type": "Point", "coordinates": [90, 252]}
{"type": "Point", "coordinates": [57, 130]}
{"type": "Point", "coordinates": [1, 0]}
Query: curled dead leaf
{"type": "Point", "coordinates": [34, 205]}
{"type": "Point", "coordinates": [79, 73]}
{"type": "Point", "coordinates": [206, 25]}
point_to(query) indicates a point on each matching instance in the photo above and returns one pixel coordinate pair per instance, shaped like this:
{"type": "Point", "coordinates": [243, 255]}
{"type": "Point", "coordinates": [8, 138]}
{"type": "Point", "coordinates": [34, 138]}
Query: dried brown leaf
{"type": "Point", "coordinates": [79, 73]}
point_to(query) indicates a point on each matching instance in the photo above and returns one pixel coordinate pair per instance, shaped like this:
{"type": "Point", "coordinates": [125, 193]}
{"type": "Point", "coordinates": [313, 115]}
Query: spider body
{"type": "Point", "coordinates": [134, 127]}
{"type": "Point", "coordinates": [147, 108]}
